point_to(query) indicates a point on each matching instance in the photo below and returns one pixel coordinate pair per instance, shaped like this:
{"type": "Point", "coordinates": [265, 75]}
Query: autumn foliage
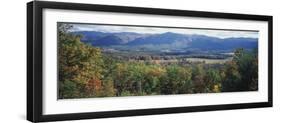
{"type": "Point", "coordinates": [85, 72]}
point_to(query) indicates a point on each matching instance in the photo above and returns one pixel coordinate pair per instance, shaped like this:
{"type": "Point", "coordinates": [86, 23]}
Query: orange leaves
{"type": "Point", "coordinates": [93, 85]}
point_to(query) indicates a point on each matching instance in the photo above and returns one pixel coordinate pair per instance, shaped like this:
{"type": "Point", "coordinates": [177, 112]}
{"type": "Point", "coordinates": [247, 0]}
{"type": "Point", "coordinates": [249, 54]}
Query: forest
{"type": "Point", "coordinates": [86, 71]}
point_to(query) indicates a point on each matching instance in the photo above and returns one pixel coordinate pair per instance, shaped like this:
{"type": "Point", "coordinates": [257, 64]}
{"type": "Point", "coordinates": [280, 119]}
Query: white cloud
{"type": "Point", "coordinates": [208, 32]}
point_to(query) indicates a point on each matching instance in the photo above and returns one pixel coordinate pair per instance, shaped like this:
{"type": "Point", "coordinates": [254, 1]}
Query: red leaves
{"type": "Point", "coordinates": [94, 85]}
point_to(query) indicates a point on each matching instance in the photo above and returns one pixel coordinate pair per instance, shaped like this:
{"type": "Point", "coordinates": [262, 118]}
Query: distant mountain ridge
{"type": "Point", "coordinates": [168, 39]}
{"type": "Point", "coordinates": [106, 39]}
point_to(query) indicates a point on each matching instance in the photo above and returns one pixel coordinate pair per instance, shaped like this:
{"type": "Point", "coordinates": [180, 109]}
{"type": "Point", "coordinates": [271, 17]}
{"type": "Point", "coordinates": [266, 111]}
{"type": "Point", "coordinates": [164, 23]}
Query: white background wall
{"type": "Point", "coordinates": [13, 61]}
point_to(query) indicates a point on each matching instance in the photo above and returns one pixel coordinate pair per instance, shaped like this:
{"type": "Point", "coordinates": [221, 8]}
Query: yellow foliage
{"type": "Point", "coordinates": [217, 88]}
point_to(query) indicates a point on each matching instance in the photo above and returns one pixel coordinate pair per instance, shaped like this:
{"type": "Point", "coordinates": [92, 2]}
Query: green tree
{"type": "Point", "coordinates": [198, 76]}
{"type": "Point", "coordinates": [176, 80]}
{"type": "Point", "coordinates": [151, 85]}
{"type": "Point", "coordinates": [120, 76]}
{"type": "Point", "coordinates": [108, 89]}
{"type": "Point", "coordinates": [247, 62]}
{"type": "Point", "coordinates": [137, 76]}
{"type": "Point", "coordinates": [241, 74]}
{"type": "Point", "coordinates": [213, 80]}
{"type": "Point", "coordinates": [79, 65]}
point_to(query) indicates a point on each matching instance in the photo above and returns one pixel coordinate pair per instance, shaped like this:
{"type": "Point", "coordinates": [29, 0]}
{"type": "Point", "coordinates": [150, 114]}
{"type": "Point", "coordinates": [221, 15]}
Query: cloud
{"type": "Point", "coordinates": [138, 29]}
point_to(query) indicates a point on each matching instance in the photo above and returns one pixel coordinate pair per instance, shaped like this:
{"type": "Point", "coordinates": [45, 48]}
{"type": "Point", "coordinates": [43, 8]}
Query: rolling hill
{"type": "Point", "coordinates": [168, 40]}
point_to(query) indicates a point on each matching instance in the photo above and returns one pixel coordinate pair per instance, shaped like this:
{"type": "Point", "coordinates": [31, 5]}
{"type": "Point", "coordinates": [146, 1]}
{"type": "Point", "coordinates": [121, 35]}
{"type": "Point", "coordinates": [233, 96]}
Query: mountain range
{"type": "Point", "coordinates": [166, 40]}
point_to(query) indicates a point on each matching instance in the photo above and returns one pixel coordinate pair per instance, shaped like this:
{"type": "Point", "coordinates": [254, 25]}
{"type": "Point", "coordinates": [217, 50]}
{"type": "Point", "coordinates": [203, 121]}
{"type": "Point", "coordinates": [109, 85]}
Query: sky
{"type": "Point", "coordinates": [155, 30]}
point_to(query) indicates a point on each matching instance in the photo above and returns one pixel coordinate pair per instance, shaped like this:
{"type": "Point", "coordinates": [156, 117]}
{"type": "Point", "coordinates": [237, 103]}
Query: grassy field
{"type": "Point", "coordinates": [209, 61]}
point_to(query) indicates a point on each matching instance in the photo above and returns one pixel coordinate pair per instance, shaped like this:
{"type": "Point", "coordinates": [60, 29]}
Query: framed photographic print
{"type": "Point", "coordinates": [96, 61]}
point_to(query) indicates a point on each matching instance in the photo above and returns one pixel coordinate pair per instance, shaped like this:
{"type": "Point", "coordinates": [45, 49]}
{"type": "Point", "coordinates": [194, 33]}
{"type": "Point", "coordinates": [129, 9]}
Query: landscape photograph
{"type": "Point", "coordinates": [110, 60]}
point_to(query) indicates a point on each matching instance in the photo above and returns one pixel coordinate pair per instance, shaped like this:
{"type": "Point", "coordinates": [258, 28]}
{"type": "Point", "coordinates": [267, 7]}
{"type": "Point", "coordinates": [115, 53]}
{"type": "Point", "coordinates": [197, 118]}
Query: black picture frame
{"type": "Point", "coordinates": [35, 69]}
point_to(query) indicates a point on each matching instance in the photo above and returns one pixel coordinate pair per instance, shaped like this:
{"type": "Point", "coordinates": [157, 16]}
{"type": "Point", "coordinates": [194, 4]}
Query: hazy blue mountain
{"type": "Point", "coordinates": [127, 37]}
{"type": "Point", "coordinates": [105, 39]}
{"type": "Point", "coordinates": [165, 40]}
{"type": "Point", "coordinates": [90, 35]}
{"type": "Point", "coordinates": [158, 39]}
{"type": "Point", "coordinates": [240, 42]}
{"type": "Point", "coordinates": [213, 43]}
